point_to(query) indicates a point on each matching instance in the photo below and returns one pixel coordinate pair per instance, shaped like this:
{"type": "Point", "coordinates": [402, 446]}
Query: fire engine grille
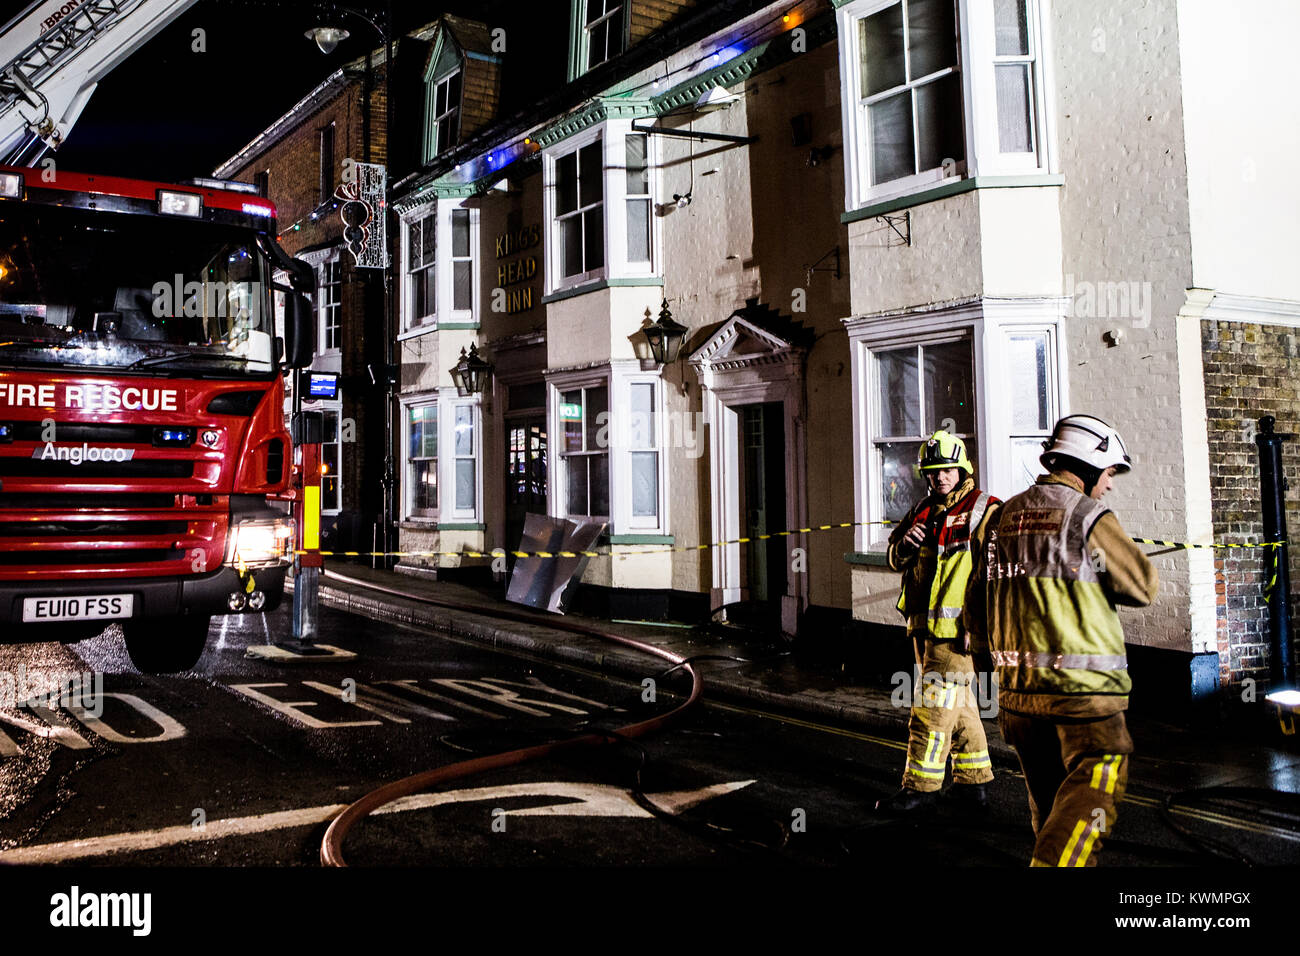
{"type": "Point", "coordinates": [92, 432]}
{"type": "Point", "coordinates": [86, 529]}
{"type": "Point", "coordinates": [56, 501]}
{"type": "Point", "coordinates": [91, 557]}
{"type": "Point", "coordinates": [135, 468]}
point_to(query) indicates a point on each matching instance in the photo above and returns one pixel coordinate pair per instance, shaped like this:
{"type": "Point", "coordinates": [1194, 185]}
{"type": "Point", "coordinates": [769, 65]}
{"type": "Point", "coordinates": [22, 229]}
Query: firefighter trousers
{"type": "Point", "coordinates": [1075, 772]}
{"type": "Point", "coordinates": [945, 720]}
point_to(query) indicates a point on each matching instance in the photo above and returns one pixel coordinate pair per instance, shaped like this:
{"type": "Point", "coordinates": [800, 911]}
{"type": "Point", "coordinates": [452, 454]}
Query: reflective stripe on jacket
{"type": "Point", "coordinates": [1053, 629]}
{"type": "Point", "coordinates": [949, 553]}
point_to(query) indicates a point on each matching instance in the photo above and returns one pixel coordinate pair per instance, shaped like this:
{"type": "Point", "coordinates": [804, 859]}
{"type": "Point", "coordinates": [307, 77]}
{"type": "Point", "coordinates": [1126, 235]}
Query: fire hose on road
{"type": "Point", "coordinates": [331, 851]}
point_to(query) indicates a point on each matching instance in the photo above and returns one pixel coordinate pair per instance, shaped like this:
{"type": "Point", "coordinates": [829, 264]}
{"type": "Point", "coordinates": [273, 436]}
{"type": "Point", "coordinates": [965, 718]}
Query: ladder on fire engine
{"type": "Point", "coordinates": [53, 55]}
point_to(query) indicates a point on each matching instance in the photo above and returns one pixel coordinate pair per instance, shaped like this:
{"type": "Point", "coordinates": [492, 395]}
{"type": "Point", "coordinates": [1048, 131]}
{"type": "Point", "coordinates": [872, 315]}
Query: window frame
{"type": "Point", "coordinates": [582, 35]}
{"type": "Point", "coordinates": [448, 402]}
{"type": "Point", "coordinates": [436, 118]}
{"type": "Point", "coordinates": [441, 214]}
{"type": "Point", "coordinates": [977, 61]}
{"type": "Point", "coordinates": [558, 486]}
{"type": "Point", "coordinates": [408, 510]}
{"type": "Point", "coordinates": [333, 407]}
{"type": "Point", "coordinates": [622, 494]}
{"type": "Point", "coordinates": [990, 322]}
{"type": "Point", "coordinates": [329, 314]}
{"type": "Point", "coordinates": [325, 142]}
{"type": "Point", "coordinates": [615, 198]}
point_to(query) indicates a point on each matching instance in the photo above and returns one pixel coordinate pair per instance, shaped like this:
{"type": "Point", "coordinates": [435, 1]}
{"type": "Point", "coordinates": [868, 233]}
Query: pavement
{"type": "Point", "coordinates": [749, 668]}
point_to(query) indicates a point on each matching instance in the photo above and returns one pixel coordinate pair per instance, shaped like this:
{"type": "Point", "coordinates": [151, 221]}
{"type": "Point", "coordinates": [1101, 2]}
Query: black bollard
{"type": "Point", "coordinates": [1272, 486]}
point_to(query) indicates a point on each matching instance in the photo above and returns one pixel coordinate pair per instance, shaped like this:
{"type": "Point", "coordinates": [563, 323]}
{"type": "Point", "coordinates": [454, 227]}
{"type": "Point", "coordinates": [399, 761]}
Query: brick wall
{"type": "Point", "coordinates": [293, 162]}
{"type": "Point", "coordinates": [1247, 375]}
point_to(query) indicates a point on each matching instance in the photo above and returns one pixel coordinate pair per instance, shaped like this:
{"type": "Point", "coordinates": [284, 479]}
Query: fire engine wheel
{"type": "Point", "coordinates": [165, 645]}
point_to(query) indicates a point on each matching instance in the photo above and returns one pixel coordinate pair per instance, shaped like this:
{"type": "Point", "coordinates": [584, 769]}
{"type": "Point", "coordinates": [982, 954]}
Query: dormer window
{"type": "Point", "coordinates": [446, 112]}
{"type": "Point", "coordinates": [604, 31]}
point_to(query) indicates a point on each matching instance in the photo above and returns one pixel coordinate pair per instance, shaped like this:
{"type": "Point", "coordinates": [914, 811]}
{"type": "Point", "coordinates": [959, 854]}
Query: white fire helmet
{"type": "Point", "coordinates": [1089, 440]}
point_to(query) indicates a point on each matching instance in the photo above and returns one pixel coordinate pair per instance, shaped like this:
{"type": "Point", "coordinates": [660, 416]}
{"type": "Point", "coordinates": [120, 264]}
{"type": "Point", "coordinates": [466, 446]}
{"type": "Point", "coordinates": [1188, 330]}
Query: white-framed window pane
{"type": "Point", "coordinates": [460, 233]}
{"type": "Point", "coordinates": [931, 36]}
{"type": "Point", "coordinates": [572, 423]}
{"type": "Point", "coordinates": [331, 458]}
{"type": "Point", "coordinates": [939, 131]}
{"type": "Point", "coordinates": [423, 431]}
{"type": "Point", "coordinates": [577, 484]}
{"type": "Point", "coordinates": [571, 242]}
{"type": "Point", "coordinates": [465, 484]}
{"type": "Point", "coordinates": [428, 240]}
{"type": "Point", "coordinates": [893, 154]}
{"type": "Point", "coordinates": [424, 486]}
{"type": "Point", "coordinates": [949, 391]}
{"type": "Point", "coordinates": [464, 430]}
{"type": "Point", "coordinates": [1027, 360]}
{"type": "Point", "coordinates": [1015, 125]}
{"type": "Point", "coordinates": [881, 41]}
{"type": "Point", "coordinates": [642, 408]}
{"type": "Point", "coordinates": [1025, 466]}
{"type": "Point", "coordinates": [593, 238]}
{"type": "Point", "coordinates": [599, 484]}
{"type": "Point", "coordinates": [900, 406]}
{"type": "Point", "coordinates": [595, 417]}
{"type": "Point", "coordinates": [1010, 27]}
{"type": "Point", "coordinates": [645, 484]}
{"type": "Point", "coordinates": [462, 279]}
{"type": "Point", "coordinates": [566, 183]}
{"type": "Point", "coordinates": [591, 181]}
{"type": "Point", "coordinates": [638, 230]}
{"type": "Point", "coordinates": [901, 487]}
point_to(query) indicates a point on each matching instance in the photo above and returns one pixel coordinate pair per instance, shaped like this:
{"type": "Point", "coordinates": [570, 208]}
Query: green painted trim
{"type": "Point", "coordinates": [949, 189]}
{"type": "Point", "coordinates": [456, 325]}
{"type": "Point", "coordinates": [484, 57]}
{"type": "Point", "coordinates": [871, 558]}
{"type": "Point", "coordinates": [599, 111]}
{"type": "Point", "coordinates": [639, 281]}
{"type": "Point", "coordinates": [467, 526]}
{"type": "Point", "coordinates": [840, 3]}
{"type": "Point", "coordinates": [643, 539]}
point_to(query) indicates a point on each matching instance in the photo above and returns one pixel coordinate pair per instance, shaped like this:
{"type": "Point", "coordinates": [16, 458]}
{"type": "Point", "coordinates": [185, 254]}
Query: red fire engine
{"type": "Point", "coordinates": [144, 457]}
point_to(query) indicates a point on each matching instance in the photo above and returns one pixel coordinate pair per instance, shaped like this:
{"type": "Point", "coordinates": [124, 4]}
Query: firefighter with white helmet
{"type": "Point", "coordinates": [1058, 562]}
{"type": "Point", "coordinates": [934, 547]}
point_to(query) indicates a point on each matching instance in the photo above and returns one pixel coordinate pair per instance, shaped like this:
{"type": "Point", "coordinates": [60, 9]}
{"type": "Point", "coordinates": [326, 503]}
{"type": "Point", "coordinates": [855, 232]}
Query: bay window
{"type": "Point", "coordinates": [441, 287]}
{"type": "Point", "coordinates": [939, 90]}
{"type": "Point", "coordinates": [600, 203]}
{"type": "Point", "coordinates": [584, 453]}
{"type": "Point", "coordinates": [452, 424]}
{"type": "Point", "coordinates": [990, 371]}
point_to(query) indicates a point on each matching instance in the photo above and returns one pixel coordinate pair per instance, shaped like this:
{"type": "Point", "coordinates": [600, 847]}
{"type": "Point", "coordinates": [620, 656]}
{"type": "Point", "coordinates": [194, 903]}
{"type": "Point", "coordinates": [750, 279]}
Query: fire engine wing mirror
{"type": "Point", "coordinates": [299, 331]}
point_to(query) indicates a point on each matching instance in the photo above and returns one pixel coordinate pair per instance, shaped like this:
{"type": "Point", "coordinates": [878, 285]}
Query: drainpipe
{"type": "Point", "coordinates": [1272, 485]}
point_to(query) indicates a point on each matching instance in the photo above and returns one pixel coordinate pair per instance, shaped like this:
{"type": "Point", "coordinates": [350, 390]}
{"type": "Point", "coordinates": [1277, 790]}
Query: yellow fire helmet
{"type": "Point", "coordinates": [943, 450]}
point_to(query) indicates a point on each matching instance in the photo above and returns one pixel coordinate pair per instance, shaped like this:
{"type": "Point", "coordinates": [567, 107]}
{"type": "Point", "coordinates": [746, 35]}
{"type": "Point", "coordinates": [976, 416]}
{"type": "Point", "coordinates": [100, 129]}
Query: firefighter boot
{"type": "Point", "coordinates": [907, 800]}
{"type": "Point", "coordinates": [971, 798]}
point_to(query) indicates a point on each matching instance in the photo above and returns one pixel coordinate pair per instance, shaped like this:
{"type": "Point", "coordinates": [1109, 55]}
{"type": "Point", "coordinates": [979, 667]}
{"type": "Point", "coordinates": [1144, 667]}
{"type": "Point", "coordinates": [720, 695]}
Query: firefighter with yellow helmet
{"type": "Point", "coordinates": [1058, 562]}
{"type": "Point", "coordinates": [933, 547]}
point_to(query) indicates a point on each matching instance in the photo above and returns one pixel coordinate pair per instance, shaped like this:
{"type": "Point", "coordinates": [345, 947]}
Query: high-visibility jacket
{"type": "Point", "coordinates": [1053, 632]}
{"type": "Point", "coordinates": [948, 551]}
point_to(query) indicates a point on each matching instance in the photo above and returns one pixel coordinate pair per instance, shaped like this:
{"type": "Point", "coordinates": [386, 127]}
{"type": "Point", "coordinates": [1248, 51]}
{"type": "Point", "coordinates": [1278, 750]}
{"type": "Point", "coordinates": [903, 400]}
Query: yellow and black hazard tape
{"type": "Point", "coordinates": [1226, 544]}
{"type": "Point", "coordinates": [671, 549]}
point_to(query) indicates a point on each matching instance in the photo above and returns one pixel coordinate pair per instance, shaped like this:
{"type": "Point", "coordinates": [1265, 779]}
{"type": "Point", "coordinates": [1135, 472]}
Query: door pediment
{"type": "Point", "coordinates": [740, 343]}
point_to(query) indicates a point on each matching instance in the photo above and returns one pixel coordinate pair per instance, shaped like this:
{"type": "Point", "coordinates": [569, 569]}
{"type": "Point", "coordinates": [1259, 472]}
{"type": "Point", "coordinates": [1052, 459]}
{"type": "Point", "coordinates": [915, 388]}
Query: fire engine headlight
{"type": "Point", "coordinates": [11, 185]}
{"type": "Point", "coordinates": [260, 543]}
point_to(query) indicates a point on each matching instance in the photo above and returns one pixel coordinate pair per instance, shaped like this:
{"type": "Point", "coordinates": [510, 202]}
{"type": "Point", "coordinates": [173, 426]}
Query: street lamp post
{"type": "Point", "coordinates": [327, 35]}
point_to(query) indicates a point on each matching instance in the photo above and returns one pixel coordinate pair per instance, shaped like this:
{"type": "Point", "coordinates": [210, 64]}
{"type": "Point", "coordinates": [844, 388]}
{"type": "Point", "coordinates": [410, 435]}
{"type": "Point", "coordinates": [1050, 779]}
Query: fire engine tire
{"type": "Point", "coordinates": [165, 645]}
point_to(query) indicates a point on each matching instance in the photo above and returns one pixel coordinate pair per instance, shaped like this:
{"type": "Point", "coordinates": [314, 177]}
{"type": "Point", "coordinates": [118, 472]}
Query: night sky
{"type": "Point", "coordinates": [170, 113]}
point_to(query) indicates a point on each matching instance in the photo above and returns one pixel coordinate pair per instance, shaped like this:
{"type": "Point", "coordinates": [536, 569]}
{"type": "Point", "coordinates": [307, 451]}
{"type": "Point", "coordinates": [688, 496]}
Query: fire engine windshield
{"type": "Point", "coordinates": [115, 290]}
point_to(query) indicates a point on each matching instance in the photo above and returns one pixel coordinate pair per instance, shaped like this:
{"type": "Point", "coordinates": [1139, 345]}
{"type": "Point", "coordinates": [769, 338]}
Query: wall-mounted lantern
{"type": "Point", "coordinates": [471, 373]}
{"type": "Point", "coordinates": [665, 337]}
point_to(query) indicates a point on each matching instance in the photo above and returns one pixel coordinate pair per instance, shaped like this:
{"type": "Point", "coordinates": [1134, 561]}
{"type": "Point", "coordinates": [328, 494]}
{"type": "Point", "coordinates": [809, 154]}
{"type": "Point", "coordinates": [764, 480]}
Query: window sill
{"type": "Point", "coordinates": [584, 288]}
{"type": "Point", "coordinates": [643, 539]}
{"type": "Point", "coordinates": [432, 524]}
{"type": "Point", "coordinates": [417, 331]}
{"type": "Point", "coordinates": [879, 559]}
{"type": "Point", "coordinates": [942, 191]}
